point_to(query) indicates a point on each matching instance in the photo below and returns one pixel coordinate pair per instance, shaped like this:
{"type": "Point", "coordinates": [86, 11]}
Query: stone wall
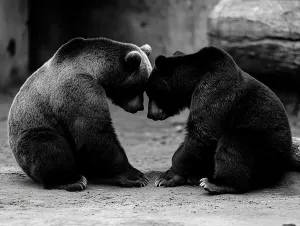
{"type": "Point", "coordinates": [13, 42]}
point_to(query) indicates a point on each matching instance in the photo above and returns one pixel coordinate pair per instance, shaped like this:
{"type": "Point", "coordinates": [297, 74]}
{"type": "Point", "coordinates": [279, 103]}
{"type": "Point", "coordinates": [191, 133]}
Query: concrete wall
{"type": "Point", "coordinates": [13, 42]}
{"type": "Point", "coordinates": [167, 25]}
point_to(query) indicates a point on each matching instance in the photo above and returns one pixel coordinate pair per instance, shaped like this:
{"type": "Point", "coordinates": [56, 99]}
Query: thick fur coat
{"type": "Point", "coordinates": [59, 125]}
{"type": "Point", "coordinates": [238, 135]}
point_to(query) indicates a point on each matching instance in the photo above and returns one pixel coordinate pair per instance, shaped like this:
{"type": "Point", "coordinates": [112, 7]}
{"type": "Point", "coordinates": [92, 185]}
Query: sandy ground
{"type": "Point", "coordinates": [149, 146]}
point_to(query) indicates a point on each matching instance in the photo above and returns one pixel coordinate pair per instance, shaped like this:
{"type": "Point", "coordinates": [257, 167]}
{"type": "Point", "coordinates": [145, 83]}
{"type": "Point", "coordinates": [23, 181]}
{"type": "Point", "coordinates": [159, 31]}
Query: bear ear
{"type": "Point", "coordinates": [133, 60]}
{"type": "Point", "coordinates": [161, 62]}
{"type": "Point", "coordinates": [146, 49]}
{"type": "Point", "coordinates": [178, 53]}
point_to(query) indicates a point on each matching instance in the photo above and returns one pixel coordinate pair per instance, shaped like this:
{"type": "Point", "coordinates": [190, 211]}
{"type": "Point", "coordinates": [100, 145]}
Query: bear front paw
{"type": "Point", "coordinates": [169, 179]}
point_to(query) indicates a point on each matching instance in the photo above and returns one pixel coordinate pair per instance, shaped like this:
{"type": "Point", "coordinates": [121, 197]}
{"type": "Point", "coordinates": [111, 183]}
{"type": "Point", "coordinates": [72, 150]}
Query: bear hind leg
{"type": "Point", "coordinates": [215, 189]}
{"type": "Point", "coordinates": [77, 185]}
{"type": "Point", "coordinates": [233, 169]}
{"type": "Point", "coordinates": [47, 158]}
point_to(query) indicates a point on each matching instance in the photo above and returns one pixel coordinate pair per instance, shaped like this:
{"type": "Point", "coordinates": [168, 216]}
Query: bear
{"type": "Point", "coordinates": [59, 125]}
{"type": "Point", "coordinates": [238, 136]}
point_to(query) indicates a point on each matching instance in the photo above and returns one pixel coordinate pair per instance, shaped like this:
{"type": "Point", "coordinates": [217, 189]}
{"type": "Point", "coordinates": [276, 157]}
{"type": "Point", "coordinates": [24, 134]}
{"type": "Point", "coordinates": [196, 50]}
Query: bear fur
{"type": "Point", "coordinates": [59, 125]}
{"type": "Point", "coordinates": [238, 135]}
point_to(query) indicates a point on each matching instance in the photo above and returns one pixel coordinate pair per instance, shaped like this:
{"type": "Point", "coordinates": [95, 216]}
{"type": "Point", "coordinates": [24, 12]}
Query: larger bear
{"type": "Point", "coordinates": [59, 125]}
{"type": "Point", "coordinates": [238, 135]}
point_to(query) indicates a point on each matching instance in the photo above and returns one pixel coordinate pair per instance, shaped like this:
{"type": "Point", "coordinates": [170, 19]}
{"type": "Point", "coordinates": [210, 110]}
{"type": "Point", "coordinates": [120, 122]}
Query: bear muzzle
{"type": "Point", "coordinates": [135, 104]}
{"type": "Point", "coordinates": [154, 112]}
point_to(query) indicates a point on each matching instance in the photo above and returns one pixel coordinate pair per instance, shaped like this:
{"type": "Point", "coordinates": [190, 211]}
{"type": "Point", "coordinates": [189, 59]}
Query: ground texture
{"type": "Point", "coordinates": [149, 146]}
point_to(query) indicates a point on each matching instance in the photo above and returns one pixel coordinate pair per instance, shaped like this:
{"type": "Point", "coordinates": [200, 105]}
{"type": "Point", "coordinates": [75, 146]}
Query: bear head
{"type": "Point", "coordinates": [125, 81]}
{"type": "Point", "coordinates": [170, 85]}
{"type": "Point", "coordinates": [122, 69]}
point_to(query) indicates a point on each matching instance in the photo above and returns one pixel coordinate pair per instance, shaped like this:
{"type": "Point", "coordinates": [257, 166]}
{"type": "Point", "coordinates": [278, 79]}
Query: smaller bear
{"type": "Point", "coordinates": [59, 125]}
{"type": "Point", "coordinates": [238, 134]}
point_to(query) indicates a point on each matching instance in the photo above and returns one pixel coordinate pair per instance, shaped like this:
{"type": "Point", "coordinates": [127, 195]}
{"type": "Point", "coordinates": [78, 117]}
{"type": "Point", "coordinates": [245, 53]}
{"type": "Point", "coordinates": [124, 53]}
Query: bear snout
{"type": "Point", "coordinates": [134, 105]}
{"type": "Point", "coordinates": [155, 113]}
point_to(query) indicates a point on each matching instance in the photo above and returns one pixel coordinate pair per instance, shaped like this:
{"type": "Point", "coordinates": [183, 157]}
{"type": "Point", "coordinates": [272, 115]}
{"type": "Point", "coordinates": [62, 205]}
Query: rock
{"type": "Point", "coordinates": [262, 36]}
{"type": "Point", "coordinates": [163, 142]}
{"type": "Point", "coordinates": [179, 129]}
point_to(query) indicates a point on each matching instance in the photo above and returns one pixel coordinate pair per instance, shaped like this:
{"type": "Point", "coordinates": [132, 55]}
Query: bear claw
{"type": "Point", "coordinates": [167, 181]}
{"type": "Point", "coordinates": [79, 185]}
{"type": "Point", "coordinates": [204, 183]}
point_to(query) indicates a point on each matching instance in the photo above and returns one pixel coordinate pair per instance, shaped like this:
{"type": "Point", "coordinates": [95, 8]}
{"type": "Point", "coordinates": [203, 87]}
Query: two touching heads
{"type": "Point", "coordinates": [166, 84]}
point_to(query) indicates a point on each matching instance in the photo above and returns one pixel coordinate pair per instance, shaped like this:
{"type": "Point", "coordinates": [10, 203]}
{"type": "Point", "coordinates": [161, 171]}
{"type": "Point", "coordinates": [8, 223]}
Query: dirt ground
{"type": "Point", "coordinates": [149, 146]}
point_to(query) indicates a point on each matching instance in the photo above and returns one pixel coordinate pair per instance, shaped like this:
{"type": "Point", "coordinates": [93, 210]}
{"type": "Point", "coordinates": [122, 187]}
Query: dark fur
{"type": "Point", "coordinates": [59, 124]}
{"type": "Point", "coordinates": [238, 134]}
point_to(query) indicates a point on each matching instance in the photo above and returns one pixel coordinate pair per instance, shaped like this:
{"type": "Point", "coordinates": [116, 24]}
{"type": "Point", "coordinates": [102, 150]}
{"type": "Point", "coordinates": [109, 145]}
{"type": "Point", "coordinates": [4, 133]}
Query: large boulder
{"type": "Point", "coordinates": [263, 36]}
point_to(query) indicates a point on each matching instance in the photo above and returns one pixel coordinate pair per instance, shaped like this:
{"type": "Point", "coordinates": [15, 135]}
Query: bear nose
{"type": "Point", "coordinates": [134, 105]}
{"type": "Point", "coordinates": [155, 113]}
{"type": "Point", "coordinates": [151, 116]}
